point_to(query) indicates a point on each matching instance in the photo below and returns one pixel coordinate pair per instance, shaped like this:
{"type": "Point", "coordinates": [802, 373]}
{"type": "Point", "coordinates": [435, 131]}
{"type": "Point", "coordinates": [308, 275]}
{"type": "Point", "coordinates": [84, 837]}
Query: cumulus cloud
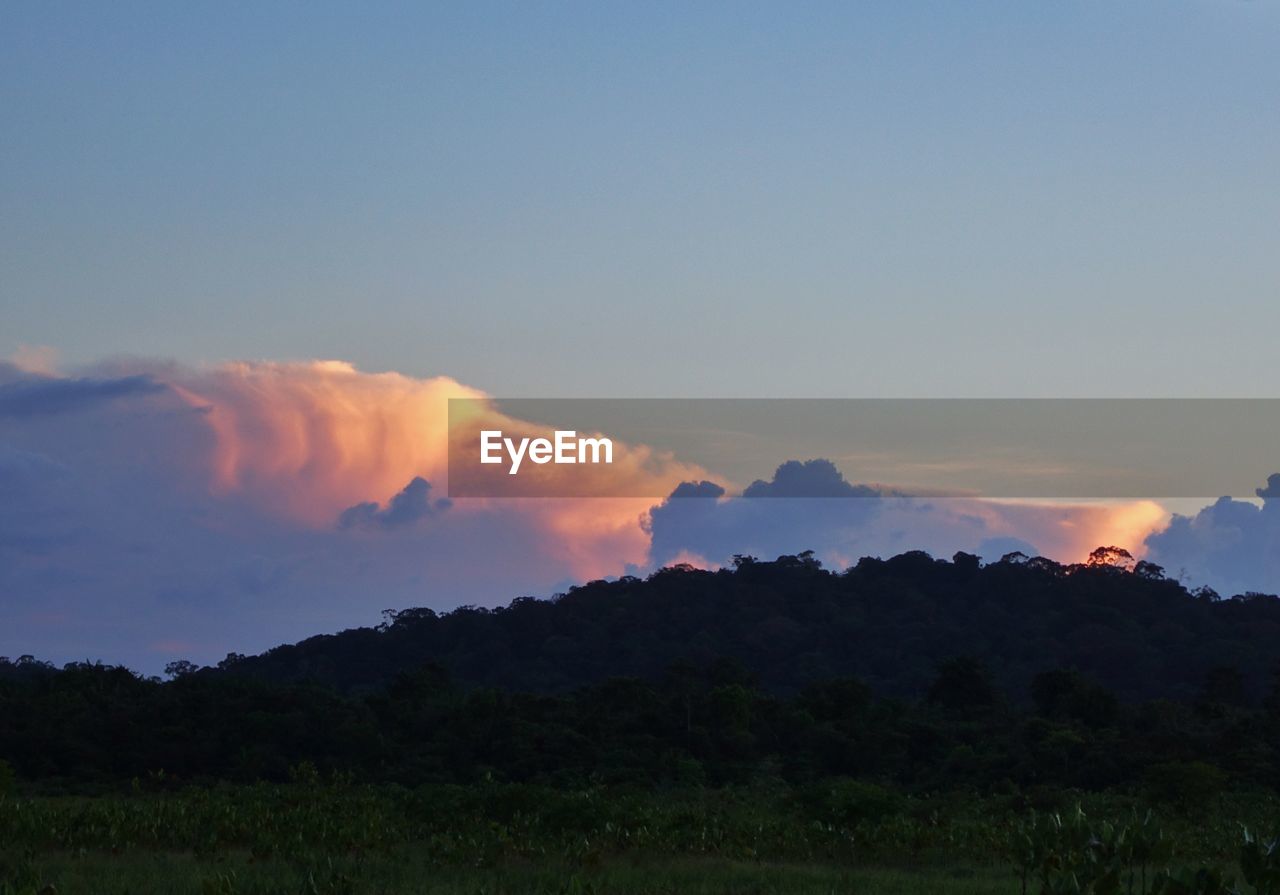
{"type": "Point", "coordinates": [307, 440]}
{"type": "Point", "coordinates": [842, 521]}
{"type": "Point", "coordinates": [1232, 545]}
{"type": "Point", "coordinates": [411, 505]}
{"type": "Point", "coordinates": [239, 506]}
{"type": "Point", "coordinates": [698, 489]}
{"type": "Point", "coordinates": [1272, 489]}
{"type": "Point", "coordinates": [809, 478]}
{"type": "Point", "coordinates": [699, 520]}
{"type": "Point", "coordinates": [150, 503]}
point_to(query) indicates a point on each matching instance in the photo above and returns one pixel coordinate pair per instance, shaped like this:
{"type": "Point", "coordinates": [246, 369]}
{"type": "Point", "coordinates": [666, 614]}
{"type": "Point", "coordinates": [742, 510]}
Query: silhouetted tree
{"type": "Point", "coordinates": [962, 683]}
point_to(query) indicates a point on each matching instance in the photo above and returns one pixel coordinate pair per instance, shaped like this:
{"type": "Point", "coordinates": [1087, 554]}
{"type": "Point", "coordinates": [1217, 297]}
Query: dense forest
{"type": "Point", "coordinates": [88, 725]}
{"type": "Point", "coordinates": [790, 623]}
{"type": "Point", "coordinates": [920, 673]}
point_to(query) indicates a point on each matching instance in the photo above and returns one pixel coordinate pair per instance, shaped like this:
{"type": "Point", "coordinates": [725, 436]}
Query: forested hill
{"type": "Point", "coordinates": [790, 622]}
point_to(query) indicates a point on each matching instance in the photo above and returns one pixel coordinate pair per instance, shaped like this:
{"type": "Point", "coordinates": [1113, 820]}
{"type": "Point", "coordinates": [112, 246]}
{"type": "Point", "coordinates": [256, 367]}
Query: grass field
{"type": "Point", "coordinates": [318, 838]}
{"type": "Point", "coordinates": [185, 874]}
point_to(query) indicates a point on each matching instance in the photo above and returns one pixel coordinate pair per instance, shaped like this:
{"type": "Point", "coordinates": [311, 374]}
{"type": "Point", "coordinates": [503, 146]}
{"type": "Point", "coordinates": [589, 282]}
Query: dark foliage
{"type": "Point", "coordinates": [920, 674]}
{"type": "Point", "coordinates": [92, 725]}
{"type": "Point", "coordinates": [790, 623]}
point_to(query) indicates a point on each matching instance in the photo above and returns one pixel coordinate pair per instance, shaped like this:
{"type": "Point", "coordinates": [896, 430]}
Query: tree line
{"type": "Point", "coordinates": [918, 673]}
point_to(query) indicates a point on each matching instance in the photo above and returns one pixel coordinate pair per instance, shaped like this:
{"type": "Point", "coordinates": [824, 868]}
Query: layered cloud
{"type": "Point", "coordinates": [153, 510]}
{"type": "Point", "coordinates": [32, 396]}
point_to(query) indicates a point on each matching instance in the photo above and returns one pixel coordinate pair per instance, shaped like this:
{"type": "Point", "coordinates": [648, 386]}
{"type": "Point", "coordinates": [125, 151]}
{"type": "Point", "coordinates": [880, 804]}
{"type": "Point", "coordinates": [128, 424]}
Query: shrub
{"type": "Point", "coordinates": [1189, 785]}
{"type": "Point", "coordinates": [846, 803]}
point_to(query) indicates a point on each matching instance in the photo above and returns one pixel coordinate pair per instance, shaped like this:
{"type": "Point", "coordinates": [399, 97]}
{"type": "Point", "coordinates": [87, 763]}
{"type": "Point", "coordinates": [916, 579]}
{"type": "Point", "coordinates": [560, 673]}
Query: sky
{"type": "Point", "coordinates": [225, 224]}
{"type": "Point", "coordinates": [902, 199]}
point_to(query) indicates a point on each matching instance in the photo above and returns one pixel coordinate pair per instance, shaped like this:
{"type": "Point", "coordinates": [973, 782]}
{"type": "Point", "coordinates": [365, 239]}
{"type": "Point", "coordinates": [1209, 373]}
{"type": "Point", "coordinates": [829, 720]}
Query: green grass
{"type": "Point", "coordinates": [343, 839]}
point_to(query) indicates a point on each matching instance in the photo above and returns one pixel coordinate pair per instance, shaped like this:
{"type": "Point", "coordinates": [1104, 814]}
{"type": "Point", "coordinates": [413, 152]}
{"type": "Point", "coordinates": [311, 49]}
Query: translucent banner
{"type": "Point", "coordinates": [999, 448]}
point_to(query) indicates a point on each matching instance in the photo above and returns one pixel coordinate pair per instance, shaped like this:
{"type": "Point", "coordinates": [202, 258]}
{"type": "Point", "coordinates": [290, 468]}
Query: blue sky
{"type": "Point", "coordinates": [654, 199]}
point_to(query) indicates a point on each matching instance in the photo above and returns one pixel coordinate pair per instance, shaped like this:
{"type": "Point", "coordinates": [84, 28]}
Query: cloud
{"type": "Point", "coordinates": [309, 440]}
{"type": "Point", "coordinates": [243, 505]}
{"type": "Point", "coordinates": [36, 359]}
{"type": "Point", "coordinates": [34, 395]}
{"type": "Point", "coordinates": [698, 489]}
{"type": "Point", "coordinates": [409, 506]}
{"type": "Point", "coordinates": [225, 507]}
{"type": "Point", "coordinates": [809, 478]}
{"type": "Point", "coordinates": [699, 520]}
{"type": "Point", "coordinates": [843, 521]}
{"type": "Point", "coordinates": [20, 468]}
{"type": "Point", "coordinates": [1272, 489]}
{"type": "Point", "coordinates": [1232, 545]}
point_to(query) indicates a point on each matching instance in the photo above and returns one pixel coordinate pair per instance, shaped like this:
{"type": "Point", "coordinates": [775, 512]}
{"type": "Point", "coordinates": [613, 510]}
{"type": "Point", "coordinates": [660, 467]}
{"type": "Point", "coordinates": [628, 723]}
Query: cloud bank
{"type": "Point", "coordinates": [1231, 545]}
{"type": "Point", "coordinates": [153, 510]}
{"type": "Point", "coordinates": [842, 521]}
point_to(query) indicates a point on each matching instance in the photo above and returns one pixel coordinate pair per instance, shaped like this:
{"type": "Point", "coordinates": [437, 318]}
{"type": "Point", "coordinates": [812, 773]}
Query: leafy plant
{"type": "Point", "coordinates": [1204, 881]}
{"type": "Point", "coordinates": [1260, 864]}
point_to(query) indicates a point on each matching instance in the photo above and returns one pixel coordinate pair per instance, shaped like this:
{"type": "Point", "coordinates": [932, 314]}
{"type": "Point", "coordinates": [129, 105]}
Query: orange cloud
{"type": "Point", "coordinates": [1069, 531]}
{"type": "Point", "coordinates": [1125, 524]}
{"type": "Point", "coordinates": [39, 359]}
{"type": "Point", "coordinates": [308, 440]}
